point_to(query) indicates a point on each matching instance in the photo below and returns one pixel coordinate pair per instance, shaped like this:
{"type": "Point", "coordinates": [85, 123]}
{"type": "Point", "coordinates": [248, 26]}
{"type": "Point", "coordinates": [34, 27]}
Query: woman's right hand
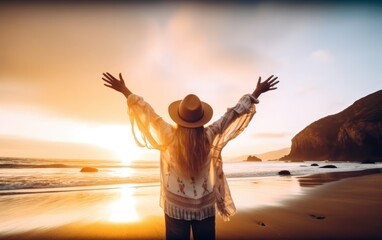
{"type": "Point", "coordinates": [118, 85]}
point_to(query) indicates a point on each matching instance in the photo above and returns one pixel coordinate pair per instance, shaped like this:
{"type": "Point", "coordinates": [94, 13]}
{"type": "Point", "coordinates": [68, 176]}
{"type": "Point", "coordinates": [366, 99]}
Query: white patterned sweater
{"type": "Point", "coordinates": [191, 199]}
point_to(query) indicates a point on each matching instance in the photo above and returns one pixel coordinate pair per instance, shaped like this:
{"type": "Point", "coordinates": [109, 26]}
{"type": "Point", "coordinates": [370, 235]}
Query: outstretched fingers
{"type": "Point", "coordinates": [273, 83]}
{"type": "Point", "coordinates": [270, 83]}
{"type": "Point", "coordinates": [110, 81]}
{"type": "Point", "coordinates": [121, 78]}
{"type": "Point", "coordinates": [107, 80]}
{"type": "Point", "coordinates": [106, 76]}
{"type": "Point", "coordinates": [109, 86]}
{"type": "Point", "coordinates": [269, 78]}
{"type": "Point", "coordinates": [109, 76]}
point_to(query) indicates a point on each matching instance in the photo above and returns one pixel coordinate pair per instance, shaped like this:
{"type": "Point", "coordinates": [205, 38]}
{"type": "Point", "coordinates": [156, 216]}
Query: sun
{"type": "Point", "coordinates": [118, 139]}
{"type": "Point", "coordinates": [124, 151]}
{"type": "Point", "coordinates": [122, 146]}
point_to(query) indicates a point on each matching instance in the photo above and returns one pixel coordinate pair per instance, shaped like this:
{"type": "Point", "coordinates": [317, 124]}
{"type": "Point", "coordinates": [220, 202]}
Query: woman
{"type": "Point", "coordinates": [191, 168]}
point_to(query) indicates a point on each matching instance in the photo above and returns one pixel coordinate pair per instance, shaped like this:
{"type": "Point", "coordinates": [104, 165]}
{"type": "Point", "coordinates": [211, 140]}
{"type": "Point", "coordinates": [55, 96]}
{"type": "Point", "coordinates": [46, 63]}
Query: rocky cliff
{"type": "Point", "coordinates": [355, 134]}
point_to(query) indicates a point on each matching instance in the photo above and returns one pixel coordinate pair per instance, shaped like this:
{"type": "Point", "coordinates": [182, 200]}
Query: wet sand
{"type": "Point", "coordinates": [346, 207]}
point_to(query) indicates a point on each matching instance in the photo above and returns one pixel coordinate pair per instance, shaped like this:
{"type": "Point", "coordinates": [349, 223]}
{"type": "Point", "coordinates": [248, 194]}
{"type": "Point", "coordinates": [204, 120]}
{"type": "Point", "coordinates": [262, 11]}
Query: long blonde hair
{"type": "Point", "coordinates": [191, 149]}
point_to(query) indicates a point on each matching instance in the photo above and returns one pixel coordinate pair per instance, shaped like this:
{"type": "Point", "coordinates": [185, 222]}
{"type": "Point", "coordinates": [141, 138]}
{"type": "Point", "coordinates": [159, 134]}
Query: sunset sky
{"type": "Point", "coordinates": [52, 56]}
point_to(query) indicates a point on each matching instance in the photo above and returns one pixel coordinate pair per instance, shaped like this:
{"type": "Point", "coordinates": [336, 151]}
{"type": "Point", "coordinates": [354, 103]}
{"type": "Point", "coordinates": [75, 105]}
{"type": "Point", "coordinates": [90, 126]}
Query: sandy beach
{"type": "Point", "coordinates": [330, 206]}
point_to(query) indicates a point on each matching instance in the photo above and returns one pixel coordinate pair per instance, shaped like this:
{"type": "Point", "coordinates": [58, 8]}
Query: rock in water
{"type": "Point", "coordinates": [368, 162]}
{"type": "Point", "coordinates": [89, 169]}
{"type": "Point", "coordinates": [329, 166]}
{"type": "Point", "coordinates": [284, 173]}
{"type": "Point", "coordinates": [354, 134]}
{"type": "Point", "coordinates": [253, 158]}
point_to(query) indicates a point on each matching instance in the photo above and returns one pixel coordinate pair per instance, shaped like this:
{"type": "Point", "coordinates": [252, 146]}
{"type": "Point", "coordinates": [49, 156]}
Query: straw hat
{"type": "Point", "coordinates": [190, 112]}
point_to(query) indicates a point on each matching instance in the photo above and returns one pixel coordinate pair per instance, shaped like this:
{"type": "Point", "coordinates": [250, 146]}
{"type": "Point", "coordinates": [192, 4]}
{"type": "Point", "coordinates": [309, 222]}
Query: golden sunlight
{"type": "Point", "coordinates": [116, 138]}
{"type": "Point", "coordinates": [124, 172]}
{"type": "Point", "coordinates": [124, 210]}
{"type": "Point", "coordinates": [123, 151]}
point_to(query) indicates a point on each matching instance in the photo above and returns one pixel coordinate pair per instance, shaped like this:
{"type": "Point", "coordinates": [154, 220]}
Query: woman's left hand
{"type": "Point", "coordinates": [265, 86]}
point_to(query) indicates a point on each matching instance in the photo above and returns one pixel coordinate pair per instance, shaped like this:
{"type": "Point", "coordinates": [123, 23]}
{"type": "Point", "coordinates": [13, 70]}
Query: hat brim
{"type": "Point", "coordinates": [174, 114]}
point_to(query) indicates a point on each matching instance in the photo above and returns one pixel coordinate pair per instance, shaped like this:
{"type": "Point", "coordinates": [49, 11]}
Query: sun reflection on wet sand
{"type": "Point", "coordinates": [264, 191]}
{"type": "Point", "coordinates": [123, 209]}
{"type": "Point", "coordinates": [121, 205]}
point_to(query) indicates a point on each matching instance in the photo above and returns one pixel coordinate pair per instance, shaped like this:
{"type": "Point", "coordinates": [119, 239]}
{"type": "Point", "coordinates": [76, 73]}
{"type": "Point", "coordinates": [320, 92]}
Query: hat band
{"type": "Point", "coordinates": [188, 116]}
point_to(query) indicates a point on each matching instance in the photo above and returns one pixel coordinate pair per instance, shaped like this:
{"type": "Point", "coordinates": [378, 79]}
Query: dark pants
{"type": "Point", "coordinates": [180, 229]}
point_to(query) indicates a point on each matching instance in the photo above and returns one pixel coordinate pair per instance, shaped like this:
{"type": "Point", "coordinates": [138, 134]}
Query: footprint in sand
{"type": "Point", "coordinates": [318, 217]}
{"type": "Point", "coordinates": [260, 223]}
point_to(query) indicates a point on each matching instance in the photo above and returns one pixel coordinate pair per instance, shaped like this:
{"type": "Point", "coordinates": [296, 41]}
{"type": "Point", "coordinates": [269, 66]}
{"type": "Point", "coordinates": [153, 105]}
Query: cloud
{"type": "Point", "coordinates": [185, 48]}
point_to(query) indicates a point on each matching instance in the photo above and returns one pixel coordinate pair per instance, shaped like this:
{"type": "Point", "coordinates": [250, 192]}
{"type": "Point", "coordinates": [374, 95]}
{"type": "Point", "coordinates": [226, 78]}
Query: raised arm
{"type": "Point", "coordinates": [154, 131]}
{"type": "Point", "coordinates": [116, 84]}
{"type": "Point", "coordinates": [237, 118]}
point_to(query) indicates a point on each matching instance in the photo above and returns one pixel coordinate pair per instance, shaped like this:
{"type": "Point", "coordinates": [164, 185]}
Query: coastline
{"type": "Point", "coordinates": [346, 209]}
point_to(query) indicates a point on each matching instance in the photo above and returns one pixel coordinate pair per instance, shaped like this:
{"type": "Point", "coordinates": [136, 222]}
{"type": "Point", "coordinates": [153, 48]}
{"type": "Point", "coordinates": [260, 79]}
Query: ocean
{"type": "Point", "coordinates": [40, 194]}
{"type": "Point", "coordinates": [18, 175]}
